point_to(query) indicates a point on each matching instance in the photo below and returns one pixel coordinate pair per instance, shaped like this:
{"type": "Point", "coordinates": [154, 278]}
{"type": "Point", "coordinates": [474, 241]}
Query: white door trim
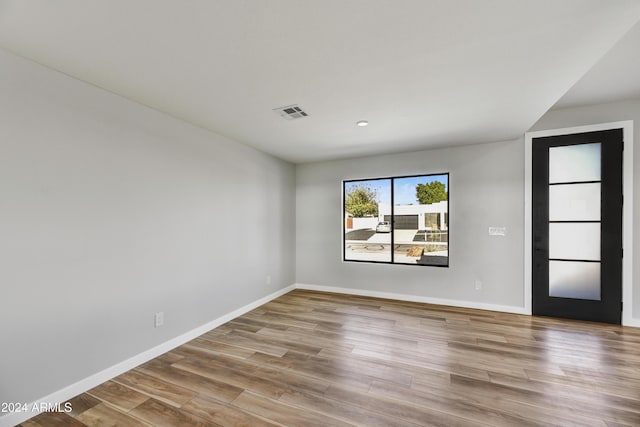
{"type": "Point", "coordinates": [628, 318]}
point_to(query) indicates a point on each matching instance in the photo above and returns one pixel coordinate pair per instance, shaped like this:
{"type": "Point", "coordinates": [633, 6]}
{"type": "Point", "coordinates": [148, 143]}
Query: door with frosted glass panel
{"type": "Point", "coordinates": [577, 226]}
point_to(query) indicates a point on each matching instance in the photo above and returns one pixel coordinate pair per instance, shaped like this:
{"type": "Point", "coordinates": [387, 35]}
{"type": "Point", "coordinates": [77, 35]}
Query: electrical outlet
{"type": "Point", "coordinates": [158, 319]}
{"type": "Point", "coordinates": [268, 281]}
{"type": "Point", "coordinates": [478, 285]}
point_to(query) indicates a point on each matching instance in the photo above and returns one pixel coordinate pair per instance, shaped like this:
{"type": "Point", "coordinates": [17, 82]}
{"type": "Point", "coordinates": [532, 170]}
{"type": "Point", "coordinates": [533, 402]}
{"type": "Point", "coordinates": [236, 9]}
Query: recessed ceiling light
{"type": "Point", "coordinates": [362, 123]}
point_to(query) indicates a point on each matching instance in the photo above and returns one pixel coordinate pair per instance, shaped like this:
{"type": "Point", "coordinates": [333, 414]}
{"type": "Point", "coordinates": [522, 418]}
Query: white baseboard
{"type": "Point", "coordinates": [414, 298]}
{"type": "Point", "coordinates": [631, 322]}
{"type": "Point", "coordinates": [94, 380]}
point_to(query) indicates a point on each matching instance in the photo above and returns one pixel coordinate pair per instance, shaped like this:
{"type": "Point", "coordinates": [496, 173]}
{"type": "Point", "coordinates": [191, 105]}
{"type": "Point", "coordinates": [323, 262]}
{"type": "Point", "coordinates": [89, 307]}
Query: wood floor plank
{"type": "Point", "coordinates": [160, 414]}
{"type": "Point", "coordinates": [279, 340]}
{"type": "Point", "coordinates": [409, 412]}
{"type": "Point", "coordinates": [158, 389]}
{"type": "Point", "coordinates": [224, 414]}
{"type": "Point", "coordinates": [313, 358]}
{"type": "Point", "coordinates": [56, 419]}
{"type": "Point", "coordinates": [82, 403]}
{"type": "Point", "coordinates": [576, 406]}
{"type": "Point", "coordinates": [196, 383]}
{"type": "Point", "coordinates": [118, 395]}
{"type": "Point", "coordinates": [217, 347]}
{"type": "Point", "coordinates": [235, 378]}
{"type": "Point", "coordinates": [248, 344]}
{"type": "Point", "coordinates": [103, 415]}
{"type": "Point", "coordinates": [473, 402]}
{"type": "Point", "coordinates": [285, 414]}
{"type": "Point", "coordinates": [597, 403]}
{"type": "Point", "coordinates": [341, 410]}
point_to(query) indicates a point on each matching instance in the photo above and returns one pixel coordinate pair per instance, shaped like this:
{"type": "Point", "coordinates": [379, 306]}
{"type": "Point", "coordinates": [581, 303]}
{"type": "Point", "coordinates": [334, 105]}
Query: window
{"type": "Point", "coordinates": [398, 220]}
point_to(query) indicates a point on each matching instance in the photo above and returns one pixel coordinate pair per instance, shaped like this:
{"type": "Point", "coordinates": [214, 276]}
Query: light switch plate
{"type": "Point", "coordinates": [497, 231]}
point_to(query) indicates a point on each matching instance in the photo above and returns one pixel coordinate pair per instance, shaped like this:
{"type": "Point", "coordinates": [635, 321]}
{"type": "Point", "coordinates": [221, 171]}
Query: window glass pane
{"type": "Point", "coordinates": [432, 221]}
{"type": "Point", "coordinates": [574, 202]}
{"type": "Point", "coordinates": [574, 241]}
{"type": "Point", "coordinates": [421, 206]}
{"type": "Point", "coordinates": [569, 279]}
{"type": "Point", "coordinates": [574, 163]}
{"type": "Point", "coordinates": [367, 236]}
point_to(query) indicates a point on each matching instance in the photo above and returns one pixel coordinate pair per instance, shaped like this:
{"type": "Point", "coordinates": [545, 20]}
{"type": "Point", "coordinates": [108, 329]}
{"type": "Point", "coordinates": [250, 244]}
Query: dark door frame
{"type": "Point", "coordinates": [628, 317]}
{"type": "Point", "coordinates": [607, 307]}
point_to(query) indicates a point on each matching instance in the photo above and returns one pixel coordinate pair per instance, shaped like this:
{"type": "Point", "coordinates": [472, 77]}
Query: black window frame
{"type": "Point", "coordinates": [392, 233]}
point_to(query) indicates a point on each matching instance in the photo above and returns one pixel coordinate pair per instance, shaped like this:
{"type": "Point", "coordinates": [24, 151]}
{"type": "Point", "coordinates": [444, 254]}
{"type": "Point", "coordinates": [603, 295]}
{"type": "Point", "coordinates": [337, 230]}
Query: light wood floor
{"type": "Point", "coordinates": [319, 359]}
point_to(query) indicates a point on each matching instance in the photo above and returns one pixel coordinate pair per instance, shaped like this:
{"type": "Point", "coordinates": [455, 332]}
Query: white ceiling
{"type": "Point", "coordinates": [424, 73]}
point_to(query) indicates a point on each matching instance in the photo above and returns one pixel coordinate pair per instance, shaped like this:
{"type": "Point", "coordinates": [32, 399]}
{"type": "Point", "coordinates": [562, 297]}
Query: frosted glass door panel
{"type": "Point", "coordinates": [575, 163]}
{"type": "Point", "coordinates": [568, 279]}
{"type": "Point", "coordinates": [574, 241]}
{"type": "Point", "coordinates": [574, 202]}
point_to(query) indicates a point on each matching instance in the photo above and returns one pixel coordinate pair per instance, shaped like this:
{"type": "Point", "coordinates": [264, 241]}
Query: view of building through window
{"type": "Point", "coordinates": [400, 220]}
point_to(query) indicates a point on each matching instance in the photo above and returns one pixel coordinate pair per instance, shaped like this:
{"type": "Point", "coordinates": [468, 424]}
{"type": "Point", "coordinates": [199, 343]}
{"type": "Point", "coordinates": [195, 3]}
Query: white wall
{"type": "Point", "coordinates": [110, 212]}
{"type": "Point", "coordinates": [486, 189]}
{"type": "Point", "coordinates": [605, 113]}
{"type": "Point", "coordinates": [359, 223]}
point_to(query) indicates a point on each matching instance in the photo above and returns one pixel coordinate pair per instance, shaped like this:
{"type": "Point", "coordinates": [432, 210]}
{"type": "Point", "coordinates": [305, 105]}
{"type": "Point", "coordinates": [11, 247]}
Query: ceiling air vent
{"type": "Point", "coordinates": [291, 112]}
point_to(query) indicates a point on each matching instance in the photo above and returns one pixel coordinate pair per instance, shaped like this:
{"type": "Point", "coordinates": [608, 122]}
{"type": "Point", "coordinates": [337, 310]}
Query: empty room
{"type": "Point", "coordinates": [319, 213]}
